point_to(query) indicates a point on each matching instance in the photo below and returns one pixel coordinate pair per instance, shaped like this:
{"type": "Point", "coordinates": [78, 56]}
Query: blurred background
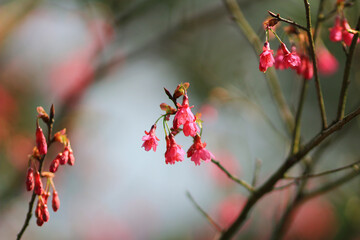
{"type": "Point", "coordinates": [103, 64]}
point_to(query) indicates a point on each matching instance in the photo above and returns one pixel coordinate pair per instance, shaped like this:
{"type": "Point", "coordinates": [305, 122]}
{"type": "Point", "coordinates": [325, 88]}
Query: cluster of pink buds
{"type": "Point", "coordinates": [341, 31]}
{"type": "Point", "coordinates": [296, 59]}
{"type": "Point", "coordinates": [36, 160]}
{"type": "Point", "coordinates": [185, 121]}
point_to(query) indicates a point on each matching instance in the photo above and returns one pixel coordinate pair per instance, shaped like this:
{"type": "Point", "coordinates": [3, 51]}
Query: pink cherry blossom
{"type": "Point", "coordinates": [347, 36]}
{"type": "Point", "coordinates": [190, 129]}
{"type": "Point", "coordinates": [174, 152]}
{"type": "Point", "coordinates": [291, 59]}
{"type": "Point", "coordinates": [336, 31]}
{"type": "Point", "coordinates": [197, 151]}
{"type": "Point", "coordinates": [327, 63]}
{"type": "Point", "coordinates": [266, 58]}
{"type": "Point", "coordinates": [305, 69]}
{"type": "Point", "coordinates": [150, 140]}
{"type": "Point", "coordinates": [183, 114]}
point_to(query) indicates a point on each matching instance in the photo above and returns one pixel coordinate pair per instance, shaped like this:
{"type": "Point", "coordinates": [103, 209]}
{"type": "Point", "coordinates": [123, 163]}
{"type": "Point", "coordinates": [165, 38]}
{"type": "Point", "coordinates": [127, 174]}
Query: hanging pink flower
{"type": "Point", "coordinates": [327, 63]}
{"type": "Point", "coordinates": [336, 31]}
{"type": "Point", "coordinates": [266, 58]}
{"type": "Point", "coordinates": [183, 114]}
{"type": "Point", "coordinates": [291, 59]}
{"type": "Point", "coordinates": [190, 129]}
{"type": "Point", "coordinates": [174, 152]}
{"type": "Point", "coordinates": [279, 63]}
{"type": "Point", "coordinates": [347, 36]}
{"type": "Point", "coordinates": [305, 69]}
{"type": "Point", "coordinates": [197, 151]}
{"type": "Point", "coordinates": [150, 140]}
{"type": "Point", "coordinates": [41, 141]}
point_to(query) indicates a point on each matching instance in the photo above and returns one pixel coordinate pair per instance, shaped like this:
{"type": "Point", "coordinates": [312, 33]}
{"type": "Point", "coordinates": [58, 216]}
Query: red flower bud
{"type": "Point", "coordinates": [45, 197]}
{"type": "Point", "coordinates": [55, 201]}
{"type": "Point", "coordinates": [38, 184]}
{"type": "Point", "coordinates": [71, 158]}
{"type": "Point", "coordinates": [30, 179]}
{"type": "Point", "coordinates": [54, 165]}
{"type": "Point", "coordinates": [41, 141]}
{"type": "Point", "coordinates": [64, 156]}
{"type": "Point", "coordinates": [38, 210]}
{"type": "Point", "coordinates": [45, 213]}
{"type": "Point", "coordinates": [39, 222]}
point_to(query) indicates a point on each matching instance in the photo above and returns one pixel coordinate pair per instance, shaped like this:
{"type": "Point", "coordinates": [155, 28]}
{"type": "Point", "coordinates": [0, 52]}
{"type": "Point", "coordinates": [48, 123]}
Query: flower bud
{"type": "Point", "coordinates": [39, 222]}
{"type": "Point", "coordinates": [41, 141]}
{"type": "Point", "coordinates": [38, 210]}
{"type": "Point", "coordinates": [45, 213]}
{"type": "Point", "coordinates": [30, 179]}
{"type": "Point", "coordinates": [38, 184]}
{"type": "Point", "coordinates": [64, 156]}
{"type": "Point", "coordinates": [55, 201]}
{"type": "Point", "coordinates": [54, 165]}
{"type": "Point", "coordinates": [71, 160]}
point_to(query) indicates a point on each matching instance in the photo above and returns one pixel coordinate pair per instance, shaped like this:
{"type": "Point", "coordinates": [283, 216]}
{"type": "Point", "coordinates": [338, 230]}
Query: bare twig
{"type": "Point", "coordinates": [197, 206]}
{"type": "Point", "coordinates": [239, 181]}
{"type": "Point", "coordinates": [313, 57]}
{"type": "Point", "coordinates": [353, 165]}
{"type": "Point", "coordinates": [277, 16]}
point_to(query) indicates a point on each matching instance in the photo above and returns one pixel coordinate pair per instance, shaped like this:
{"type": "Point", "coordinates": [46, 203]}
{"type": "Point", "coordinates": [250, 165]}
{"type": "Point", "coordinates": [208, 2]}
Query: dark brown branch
{"type": "Point", "coordinates": [288, 163]}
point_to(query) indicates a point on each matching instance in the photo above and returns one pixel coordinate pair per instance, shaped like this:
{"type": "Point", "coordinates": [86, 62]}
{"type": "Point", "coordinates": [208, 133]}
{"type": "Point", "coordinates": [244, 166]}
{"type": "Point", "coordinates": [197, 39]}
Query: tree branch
{"type": "Point", "coordinates": [346, 78]}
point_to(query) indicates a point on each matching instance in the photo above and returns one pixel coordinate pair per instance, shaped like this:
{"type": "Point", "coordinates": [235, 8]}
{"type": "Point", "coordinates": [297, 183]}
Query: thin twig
{"type": "Point", "coordinates": [258, 164]}
{"type": "Point", "coordinates": [319, 16]}
{"type": "Point", "coordinates": [239, 181]}
{"type": "Point", "coordinates": [296, 134]}
{"type": "Point", "coordinates": [346, 78]}
{"type": "Point", "coordinates": [353, 165]}
{"type": "Point", "coordinates": [332, 185]}
{"type": "Point", "coordinates": [197, 206]}
{"type": "Point", "coordinates": [277, 16]}
{"type": "Point", "coordinates": [313, 57]}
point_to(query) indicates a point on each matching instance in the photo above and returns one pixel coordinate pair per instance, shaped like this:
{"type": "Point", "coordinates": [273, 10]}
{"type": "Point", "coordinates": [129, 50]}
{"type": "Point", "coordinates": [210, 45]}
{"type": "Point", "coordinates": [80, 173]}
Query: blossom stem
{"type": "Point", "coordinates": [239, 181]}
{"type": "Point", "coordinates": [319, 17]}
{"type": "Point", "coordinates": [32, 200]}
{"type": "Point", "coordinates": [275, 35]}
{"type": "Point", "coordinates": [207, 216]}
{"type": "Point", "coordinates": [346, 77]}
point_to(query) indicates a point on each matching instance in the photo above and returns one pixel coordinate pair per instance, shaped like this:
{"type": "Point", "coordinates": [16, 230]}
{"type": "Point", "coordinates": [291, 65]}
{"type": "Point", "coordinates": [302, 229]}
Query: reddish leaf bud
{"type": "Point", "coordinates": [64, 156]}
{"type": "Point", "coordinates": [181, 90]}
{"type": "Point", "coordinates": [30, 179]}
{"type": "Point", "coordinates": [42, 114]}
{"type": "Point", "coordinates": [38, 184]}
{"type": "Point", "coordinates": [61, 137]}
{"type": "Point", "coordinates": [52, 112]}
{"type": "Point", "coordinates": [41, 141]}
{"type": "Point", "coordinates": [55, 201]}
{"type": "Point", "coordinates": [54, 165]}
{"type": "Point", "coordinates": [39, 222]}
{"type": "Point", "coordinates": [45, 213]}
{"type": "Point", "coordinates": [71, 160]}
